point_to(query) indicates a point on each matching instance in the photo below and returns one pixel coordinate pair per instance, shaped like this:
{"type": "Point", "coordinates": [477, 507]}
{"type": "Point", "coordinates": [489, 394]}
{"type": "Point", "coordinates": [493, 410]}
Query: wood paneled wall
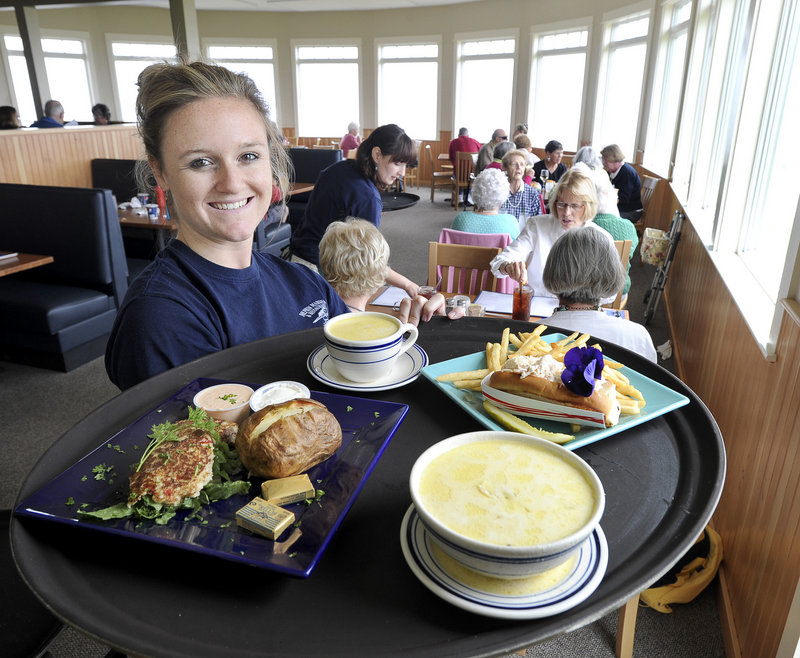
{"type": "Point", "coordinates": [757, 406]}
{"type": "Point", "coordinates": [62, 156]}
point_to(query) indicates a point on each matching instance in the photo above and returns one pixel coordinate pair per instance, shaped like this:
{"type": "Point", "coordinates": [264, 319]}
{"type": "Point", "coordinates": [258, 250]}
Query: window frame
{"type": "Point", "coordinates": [335, 42]}
{"type": "Point", "coordinates": [57, 34]}
{"type": "Point", "coordinates": [610, 21]}
{"type": "Point", "coordinates": [208, 42]}
{"type": "Point", "coordinates": [111, 39]}
{"type": "Point", "coordinates": [562, 27]}
{"type": "Point", "coordinates": [410, 41]}
{"type": "Point", "coordinates": [460, 38]}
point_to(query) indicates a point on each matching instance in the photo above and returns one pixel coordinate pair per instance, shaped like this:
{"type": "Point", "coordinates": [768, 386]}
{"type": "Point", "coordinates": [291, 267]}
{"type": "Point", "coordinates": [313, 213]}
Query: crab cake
{"type": "Point", "coordinates": [176, 469]}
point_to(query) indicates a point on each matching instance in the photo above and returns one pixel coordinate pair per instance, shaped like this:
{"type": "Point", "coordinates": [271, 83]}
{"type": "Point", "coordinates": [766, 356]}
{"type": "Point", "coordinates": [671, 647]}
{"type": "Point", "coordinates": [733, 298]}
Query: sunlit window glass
{"type": "Point", "coordinates": [325, 73]}
{"type": "Point", "coordinates": [254, 61]}
{"type": "Point", "coordinates": [67, 73]}
{"type": "Point", "coordinates": [481, 61]}
{"type": "Point", "coordinates": [559, 60]}
{"type": "Point", "coordinates": [619, 90]}
{"type": "Point", "coordinates": [670, 61]}
{"type": "Point", "coordinates": [130, 59]}
{"type": "Point", "coordinates": [397, 66]}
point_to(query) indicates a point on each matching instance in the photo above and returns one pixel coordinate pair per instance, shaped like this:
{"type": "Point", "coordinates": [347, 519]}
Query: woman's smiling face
{"type": "Point", "coordinates": [215, 162]}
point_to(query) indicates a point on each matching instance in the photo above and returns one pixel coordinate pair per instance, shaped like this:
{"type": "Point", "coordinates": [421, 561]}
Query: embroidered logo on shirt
{"type": "Point", "coordinates": [318, 308]}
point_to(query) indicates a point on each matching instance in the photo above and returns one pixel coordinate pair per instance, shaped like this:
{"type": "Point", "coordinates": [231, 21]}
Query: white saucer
{"type": "Point", "coordinates": [406, 370]}
{"type": "Point", "coordinates": [576, 586]}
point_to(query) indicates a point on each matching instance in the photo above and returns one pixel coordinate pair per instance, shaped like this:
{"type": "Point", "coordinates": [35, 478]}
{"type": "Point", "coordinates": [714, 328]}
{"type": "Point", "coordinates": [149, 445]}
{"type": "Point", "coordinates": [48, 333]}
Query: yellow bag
{"type": "Point", "coordinates": [690, 576]}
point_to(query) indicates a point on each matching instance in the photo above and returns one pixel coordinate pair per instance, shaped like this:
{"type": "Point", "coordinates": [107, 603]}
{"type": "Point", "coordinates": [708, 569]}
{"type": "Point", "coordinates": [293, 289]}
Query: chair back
{"type": "Point", "coordinates": [624, 251]}
{"type": "Point", "coordinates": [648, 187]}
{"type": "Point", "coordinates": [464, 268]}
{"type": "Point", "coordinates": [438, 178]}
{"type": "Point", "coordinates": [462, 175]}
{"type": "Point", "coordinates": [502, 240]}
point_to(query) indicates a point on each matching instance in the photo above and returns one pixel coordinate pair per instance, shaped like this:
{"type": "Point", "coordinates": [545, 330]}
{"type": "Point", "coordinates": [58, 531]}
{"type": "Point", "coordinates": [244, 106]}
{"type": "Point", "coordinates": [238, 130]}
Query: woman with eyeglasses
{"type": "Point", "coordinates": [574, 204]}
{"type": "Point", "coordinates": [523, 201]}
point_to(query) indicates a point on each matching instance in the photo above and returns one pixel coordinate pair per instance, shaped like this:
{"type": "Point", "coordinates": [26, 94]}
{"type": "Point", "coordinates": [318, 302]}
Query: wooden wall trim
{"type": "Point", "coordinates": [755, 403]}
{"type": "Point", "coordinates": [62, 156]}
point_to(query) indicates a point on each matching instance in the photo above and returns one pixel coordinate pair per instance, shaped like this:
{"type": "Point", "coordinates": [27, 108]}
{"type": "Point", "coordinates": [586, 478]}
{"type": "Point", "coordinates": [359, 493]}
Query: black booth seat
{"type": "Point", "coordinates": [60, 315]}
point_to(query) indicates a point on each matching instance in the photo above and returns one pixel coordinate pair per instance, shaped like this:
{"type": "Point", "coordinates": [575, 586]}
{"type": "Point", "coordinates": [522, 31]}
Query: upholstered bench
{"type": "Point", "coordinates": [60, 315]}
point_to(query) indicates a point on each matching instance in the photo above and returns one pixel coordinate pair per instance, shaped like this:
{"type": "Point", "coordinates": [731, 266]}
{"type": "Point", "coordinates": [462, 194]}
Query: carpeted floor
{"type": "Point", "coordinates": [39, 405]}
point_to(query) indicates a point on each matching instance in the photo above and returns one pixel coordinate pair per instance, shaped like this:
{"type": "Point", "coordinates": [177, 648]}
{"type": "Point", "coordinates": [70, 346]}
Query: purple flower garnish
{"type": "Point", "coordinates": [582, 366]}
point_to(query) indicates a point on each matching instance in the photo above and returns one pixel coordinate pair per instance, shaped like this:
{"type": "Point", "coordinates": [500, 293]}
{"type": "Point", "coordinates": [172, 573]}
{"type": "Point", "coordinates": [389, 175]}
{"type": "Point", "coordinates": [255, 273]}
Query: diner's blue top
{"type": "Point", "coordinates": [341, 191]}
{"type": "Point", "coordinates": [183, 306]}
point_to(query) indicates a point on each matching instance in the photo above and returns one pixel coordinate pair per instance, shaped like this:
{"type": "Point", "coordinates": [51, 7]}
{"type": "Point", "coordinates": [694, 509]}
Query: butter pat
{"type": "Point", "coordinates": [285, 491]}
{"type": "Point", "coordinates": [263, 518]}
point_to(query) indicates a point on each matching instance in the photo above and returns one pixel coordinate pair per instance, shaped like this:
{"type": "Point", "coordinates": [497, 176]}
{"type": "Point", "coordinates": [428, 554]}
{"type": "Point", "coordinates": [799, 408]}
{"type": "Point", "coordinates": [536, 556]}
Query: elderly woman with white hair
{"type": "Point", "coordinates": [582, 269]}
{"type": "Point", "coordinates": [489, 192]}
{"type": "Point", "coordinates": [351, 140]}
{"type": "Point", "coordinates": [607, 217]}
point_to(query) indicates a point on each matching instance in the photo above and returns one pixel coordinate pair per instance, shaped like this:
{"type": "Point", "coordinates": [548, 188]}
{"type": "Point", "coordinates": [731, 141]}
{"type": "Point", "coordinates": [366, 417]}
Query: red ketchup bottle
{"type": "Point", "coordinates": [161, 200]}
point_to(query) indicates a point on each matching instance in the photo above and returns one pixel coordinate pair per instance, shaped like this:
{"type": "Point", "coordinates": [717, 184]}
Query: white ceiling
{"type": "Point", "coordinates": [302, 5]}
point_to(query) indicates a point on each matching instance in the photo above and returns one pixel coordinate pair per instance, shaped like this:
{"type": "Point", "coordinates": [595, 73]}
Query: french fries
{"type": "Point", "coordinates": [532, 344]}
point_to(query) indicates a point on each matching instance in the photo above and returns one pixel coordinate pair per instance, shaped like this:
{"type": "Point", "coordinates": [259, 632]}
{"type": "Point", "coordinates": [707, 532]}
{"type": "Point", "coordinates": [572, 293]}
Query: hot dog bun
{"type": "Point", "coordinates": [540, 378]}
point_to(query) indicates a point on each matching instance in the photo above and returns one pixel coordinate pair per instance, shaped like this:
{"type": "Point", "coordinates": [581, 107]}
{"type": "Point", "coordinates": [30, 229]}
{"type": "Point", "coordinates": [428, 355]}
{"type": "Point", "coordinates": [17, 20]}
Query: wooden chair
{"type": "Point", "coordinates": [450, 236]}
{"type": "Point", "coordinates": [624, 251]}
{"type": "Point", "coordinates": [648, 187]}
{"type": "Point", "coordinates": [462, 176]}
{"type": "Point", "coordinates": [464, 269]}
{"type": "Point", "coordinates": [412, 176]}
{"type": "Point", "coordinates": [438, 178]}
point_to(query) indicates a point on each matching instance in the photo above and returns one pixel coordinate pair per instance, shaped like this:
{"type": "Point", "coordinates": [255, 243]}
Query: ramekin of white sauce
{"type": "Point", "coordinates": [277, 392]}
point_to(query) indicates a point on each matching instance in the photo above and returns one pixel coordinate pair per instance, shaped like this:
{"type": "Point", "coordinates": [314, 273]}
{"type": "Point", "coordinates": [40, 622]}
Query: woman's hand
{"type": "Point", "coordinates": [399, 281]}
{"type": "Point", "coordinates": [516, 271]}
{"type": "Point", "coordinates": [419, 308]}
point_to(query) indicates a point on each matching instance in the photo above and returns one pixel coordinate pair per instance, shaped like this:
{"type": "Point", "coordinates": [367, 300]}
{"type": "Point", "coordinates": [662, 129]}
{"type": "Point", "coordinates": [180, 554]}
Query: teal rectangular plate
{"type": "Point", "coordinates": [659, 398]}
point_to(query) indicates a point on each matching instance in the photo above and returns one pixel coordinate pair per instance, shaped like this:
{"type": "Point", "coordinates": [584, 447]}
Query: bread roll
{"type": "Point", "coordinates": [539, 379]}
{"type": "Point", "coordinates": [288, 438]}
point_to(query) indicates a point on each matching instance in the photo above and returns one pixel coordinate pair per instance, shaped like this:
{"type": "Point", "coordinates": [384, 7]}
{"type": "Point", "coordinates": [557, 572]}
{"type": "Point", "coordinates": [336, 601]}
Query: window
{"type": "Point", "coordinates": [559, 63]}
{"type": "Point", "coordinates": [407, 73]}
{"type": "Point", "coordinates": [668, 78]}
{"type": "Point", "coordinates": [67, 73]}
{"type": "Point", "coordinates": [735, 167]}
{"type": "Point", "coordinates": [327, 89]}
{"type": "Point", "coordinates": [257, 62]}
{"type": "Point", "coordinates": [485, 70]}
{"type": "Point", "coordinates": [130, 59]}
{"type": "Point", "coordinates": [707, 110]}
{"type": "Point", "coordinates": [620, 83]}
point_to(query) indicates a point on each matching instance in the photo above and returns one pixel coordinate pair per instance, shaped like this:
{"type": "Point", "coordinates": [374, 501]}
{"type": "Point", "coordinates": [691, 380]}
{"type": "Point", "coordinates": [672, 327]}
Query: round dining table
{"type": "Point", "coordinates": [662, 481]}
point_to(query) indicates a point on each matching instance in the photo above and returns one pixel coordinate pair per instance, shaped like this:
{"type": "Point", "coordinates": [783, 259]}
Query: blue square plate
{"type": "Point", "coordinates": [367, 428]}
{"type": "Point", "coordinates": [658, 397]}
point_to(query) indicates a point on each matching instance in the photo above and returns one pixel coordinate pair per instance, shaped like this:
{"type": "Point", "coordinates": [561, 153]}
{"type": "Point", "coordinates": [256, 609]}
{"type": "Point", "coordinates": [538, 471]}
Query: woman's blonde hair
{"type": "Point", "coordinates": [580, 185]}
{"type": "Point", "coordinates": [353, 257]}
{"type": "Point", "coordinates": [167, 87]}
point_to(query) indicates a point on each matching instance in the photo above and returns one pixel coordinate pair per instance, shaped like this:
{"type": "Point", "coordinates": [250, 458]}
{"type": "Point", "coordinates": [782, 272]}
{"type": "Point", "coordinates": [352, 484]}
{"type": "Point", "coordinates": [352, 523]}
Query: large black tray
{"type": "Point", "coordinates": [662, 481]}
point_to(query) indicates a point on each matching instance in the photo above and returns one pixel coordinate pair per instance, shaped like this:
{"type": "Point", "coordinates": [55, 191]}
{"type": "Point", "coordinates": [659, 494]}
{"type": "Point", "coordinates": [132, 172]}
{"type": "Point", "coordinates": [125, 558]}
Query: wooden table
{"type": "Point", "coordinates": [22, 262]}
{"type": "Point", "coordinates": [447, 164]}
{"type": "Point", "coordinates": [299, 188]}
{"type": "Point", "coordinates": [132, 218]}
{"type": "Point", "coordinates": [388, 309]}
